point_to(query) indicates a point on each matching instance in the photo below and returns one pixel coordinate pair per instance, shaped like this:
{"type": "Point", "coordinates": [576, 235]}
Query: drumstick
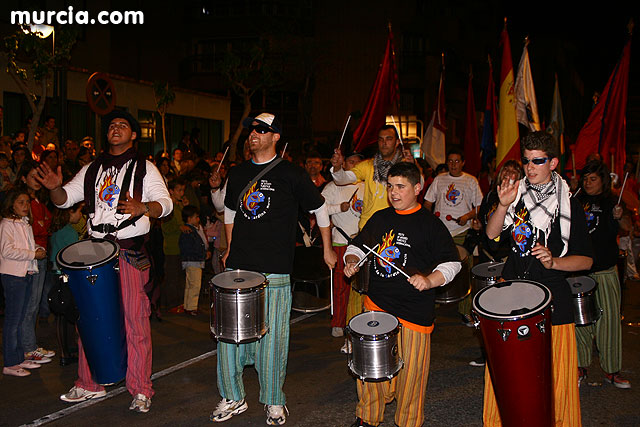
{"type": "Point", "coordinates": [284, 149]}
{"type": "Point", "coordinates": [352, 196]}
{"type": "Point", "coordinates": [576, 193]}
{"type": "Point", "coordinates": [350, 241]}
{"type": "Point", "coordinates": [399, 137]}
{"type": "Point", "coordinates": [622, 189]}
{"type": "Point", "coordinates": [331, 289]}
{"type": "Point", "coordinates": [344, 131]}
{"type": "Point", "coordinates": [222, 159]}
{"type": "Point", "coordinates": [388, 262]}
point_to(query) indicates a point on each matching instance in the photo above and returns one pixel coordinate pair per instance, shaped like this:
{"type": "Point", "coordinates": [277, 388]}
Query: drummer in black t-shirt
{"type": "Point", "coordinates": [603, 217]}
{"type": "Point", "coordinates": [414, 240]}
{"type": "Point", "coordinates": [260, 224]}
{"type": "Point", "coordinates": [548, 237]}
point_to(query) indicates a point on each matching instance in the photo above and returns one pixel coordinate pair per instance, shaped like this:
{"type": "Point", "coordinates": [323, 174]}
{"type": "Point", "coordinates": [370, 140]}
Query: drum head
{"type": "Point", "coordinates": [373, 323]}
{"type": "Point", "coordinates": [512, 300]}
{"type": "Point", "coordinates": [87, 253]}
{"type": "Point", "coordinates": [581, 285]}
{"type": "Point", "coordinates": [489, 270]}
{"type": "Point", "coordinates": [238, 279]}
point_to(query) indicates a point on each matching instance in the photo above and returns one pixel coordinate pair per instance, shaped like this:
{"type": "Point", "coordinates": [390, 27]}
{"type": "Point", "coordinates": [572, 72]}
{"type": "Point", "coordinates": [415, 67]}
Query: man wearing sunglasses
{"type": "Point", "coordinates": [548, 236]}
{"type": "Point", "coordinates": [260, 224]}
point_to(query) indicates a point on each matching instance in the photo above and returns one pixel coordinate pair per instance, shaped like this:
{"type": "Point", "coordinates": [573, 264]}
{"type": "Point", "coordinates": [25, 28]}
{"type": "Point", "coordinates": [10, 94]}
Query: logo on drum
{"type": "Point", "coordinates": [252, 200]}
{"type": "Point", "coordinates": [388, 251]}
{"type": "Point", "coordinates": [523, 332]}
{"type": "Point", "coordinates": [108, 191]}
{"type": "Point", "coordinates": [452, 194]}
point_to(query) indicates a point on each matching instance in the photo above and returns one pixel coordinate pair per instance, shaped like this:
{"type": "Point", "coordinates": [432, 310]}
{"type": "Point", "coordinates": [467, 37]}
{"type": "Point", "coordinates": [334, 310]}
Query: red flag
{"type": "Point", "coordinates": [382, 97]}
{"type": "Point", "coordinates": [471, 143]}
{"type": "Point", "coordinates": [604, 131]}
{"type": "Point", "coordinates": [508, 134]}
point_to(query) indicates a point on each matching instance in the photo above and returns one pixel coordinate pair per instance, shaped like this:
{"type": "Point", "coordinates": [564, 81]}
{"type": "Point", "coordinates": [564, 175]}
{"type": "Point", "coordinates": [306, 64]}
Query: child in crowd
{"type": "Point", "coordinates": [214, 232]}
{"type": "Point", "coordinates": [193, 253]}
{"type": "Point", "coordinates": [63, 235]}
{"type": "Point", "coordinates": [6, 174]}
{"type": "Point", "coordinates": [172, 290]}
{"type": "Point", "coordinates": [41, 223]}
{"type": "Point", "coordinates": [19, 257]}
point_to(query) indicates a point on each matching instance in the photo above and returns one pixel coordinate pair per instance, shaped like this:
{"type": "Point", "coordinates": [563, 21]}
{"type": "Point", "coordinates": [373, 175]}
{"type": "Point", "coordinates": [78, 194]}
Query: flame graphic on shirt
{"type": "Point", "coordinates": [589, 216]}
{"type": "Point", "coordinates": [357, 204]}
{"type": "Point", "coordinates": [388, 251]}
{"type": "Point", "coordinates": [108, 191]}
{"type": "Point", "coordinates": [452, 194]}
{"type": "Point", "coordinates": [521, 230]}
{"type": "Point", "coordinates": [252, 199]}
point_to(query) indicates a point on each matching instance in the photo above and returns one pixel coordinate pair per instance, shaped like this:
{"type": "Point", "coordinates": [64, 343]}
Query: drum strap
{"type": "Point", "coordinates": [257, 177]}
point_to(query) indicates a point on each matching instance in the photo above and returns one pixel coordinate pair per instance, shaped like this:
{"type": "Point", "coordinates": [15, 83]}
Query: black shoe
{"type": "Point", "coordinates": [64, 361]}
{"type": "Point", "coordinates": [360, 423]}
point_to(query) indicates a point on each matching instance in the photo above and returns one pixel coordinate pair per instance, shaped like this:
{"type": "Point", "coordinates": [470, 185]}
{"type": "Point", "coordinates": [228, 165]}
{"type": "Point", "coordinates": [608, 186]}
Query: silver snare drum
{"type": "Point", "coordinates": [374, 343]}
{"type": "Point", "coordinates": [585, 307]}
{"type": "Point", "coordinates": [238, 306]}
{"type": "Point", "coordinates": [486, 274]}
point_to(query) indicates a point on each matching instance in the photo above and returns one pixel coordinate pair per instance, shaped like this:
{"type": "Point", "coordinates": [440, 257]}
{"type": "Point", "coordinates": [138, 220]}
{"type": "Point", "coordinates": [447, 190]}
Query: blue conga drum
{"type": "Point", "coordinates": [91, 268]}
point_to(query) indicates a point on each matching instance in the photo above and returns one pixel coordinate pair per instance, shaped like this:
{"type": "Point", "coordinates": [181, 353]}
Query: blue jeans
{"type": "Point", "coordinates": [16, 294]}
{"type": "Point", "coordinates": [29, 342]}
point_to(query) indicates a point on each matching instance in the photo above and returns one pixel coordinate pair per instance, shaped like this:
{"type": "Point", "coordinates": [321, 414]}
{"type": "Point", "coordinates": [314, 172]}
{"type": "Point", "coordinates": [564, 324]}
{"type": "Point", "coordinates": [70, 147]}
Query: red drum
{"type": "Point", "coordinates": [515, 321]}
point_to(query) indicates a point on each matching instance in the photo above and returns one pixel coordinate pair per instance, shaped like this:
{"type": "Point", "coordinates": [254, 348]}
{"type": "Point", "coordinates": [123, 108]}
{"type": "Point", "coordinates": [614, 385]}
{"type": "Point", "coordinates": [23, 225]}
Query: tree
{"type": "Point", "coordinates": [30, 62]}
{"type": "Point", "coordinates": [247, 72]}
{"type": "Point", "coordinates": [164, 96]}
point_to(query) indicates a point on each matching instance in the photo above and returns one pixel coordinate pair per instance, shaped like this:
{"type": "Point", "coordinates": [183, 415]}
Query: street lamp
{"type": "Point", "coordinates": [42, 31]}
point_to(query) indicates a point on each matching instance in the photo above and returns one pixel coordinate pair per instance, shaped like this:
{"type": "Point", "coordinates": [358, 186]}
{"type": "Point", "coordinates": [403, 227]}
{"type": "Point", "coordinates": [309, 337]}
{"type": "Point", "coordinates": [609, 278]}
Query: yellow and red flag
{"type": "Point", "coordinates": [508, 136]}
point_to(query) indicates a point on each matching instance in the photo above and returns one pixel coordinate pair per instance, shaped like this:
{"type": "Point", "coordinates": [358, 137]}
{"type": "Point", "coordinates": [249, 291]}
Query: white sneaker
{"type": "Point", "coordinates": [45, 352]}
{"type": "Point", "coordinates": [140, 403]}
{"type": "Point", "coordinates": [276, 415]}
{"type": "Point", "coordinates": [78, 394]}
{"type": "Point", "coordinates": [337, 332]}
{"type": "Point", "coordinates": [227, 409]}
{"type": "Point", "coordinates": [346, 348]}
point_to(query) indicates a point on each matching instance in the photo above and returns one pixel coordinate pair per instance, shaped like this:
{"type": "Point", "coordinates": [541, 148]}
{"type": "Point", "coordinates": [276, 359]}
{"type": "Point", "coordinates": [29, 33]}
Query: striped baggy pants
{"type": "Point", "coordinates": [408, 387]}
{"type": "Point", "coordinates": [564, 366]}
{"type": "Point", "coordinates": [607, 331]}
{"type": "Point", "coordinates": [136, 309]}
{"type": "Point", "coordinates": [269, 353]}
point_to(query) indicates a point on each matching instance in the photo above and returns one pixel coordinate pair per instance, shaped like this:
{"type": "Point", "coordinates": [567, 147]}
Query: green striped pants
{"type": "Point", "coordinates": [607, 331]}
{"type": "Point", "coordinates": [269, 354]}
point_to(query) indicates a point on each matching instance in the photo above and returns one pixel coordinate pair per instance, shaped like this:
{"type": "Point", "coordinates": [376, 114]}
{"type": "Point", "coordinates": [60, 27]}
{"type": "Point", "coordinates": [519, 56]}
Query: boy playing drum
{"type": "Point", "coordinates": [411, 239]}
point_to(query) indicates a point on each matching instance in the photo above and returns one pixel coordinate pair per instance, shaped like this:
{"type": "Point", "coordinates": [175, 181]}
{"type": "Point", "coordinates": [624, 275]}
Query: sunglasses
{"type": "Point", "coordinates": [260, 129]}
{"type": "Point", "coordinates": [536, 161]}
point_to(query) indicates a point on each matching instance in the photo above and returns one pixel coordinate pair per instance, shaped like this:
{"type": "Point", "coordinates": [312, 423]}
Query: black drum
{"type": "Point", "coordinates": [310, 281]}
{"type": "Point", "coordinates": [460, 286]}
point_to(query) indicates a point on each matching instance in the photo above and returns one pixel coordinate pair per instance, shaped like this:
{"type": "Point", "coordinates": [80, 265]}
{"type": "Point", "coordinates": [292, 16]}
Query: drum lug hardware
{"type": "Point", "coordinates": [541, 325]}
{"type": "Point", "coordinates": [92, 278]}
{"type": "Point", "coordinates": [504, 333]}
{"type": "Point", "coordinates": [64, 278]}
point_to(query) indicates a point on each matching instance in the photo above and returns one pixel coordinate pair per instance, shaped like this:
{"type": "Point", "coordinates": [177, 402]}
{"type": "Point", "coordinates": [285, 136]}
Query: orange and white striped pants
{"type": "Point", "coordinates": [564, 362]}
{"type": "Point", "coordinates": [408, 387]}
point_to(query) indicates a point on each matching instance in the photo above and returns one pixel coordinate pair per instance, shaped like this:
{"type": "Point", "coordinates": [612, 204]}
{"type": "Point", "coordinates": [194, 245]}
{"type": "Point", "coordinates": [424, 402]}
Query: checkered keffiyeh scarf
{"type": "Point", "coordinates": [545, 202]}
{"type": "Point", "coordinates": [381, 166]}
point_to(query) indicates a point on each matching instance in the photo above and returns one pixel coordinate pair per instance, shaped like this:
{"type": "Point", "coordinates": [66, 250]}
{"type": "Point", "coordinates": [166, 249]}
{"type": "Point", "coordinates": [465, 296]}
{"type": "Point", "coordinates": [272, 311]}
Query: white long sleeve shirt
{"type": "Point", "coordinates": [17, 247]}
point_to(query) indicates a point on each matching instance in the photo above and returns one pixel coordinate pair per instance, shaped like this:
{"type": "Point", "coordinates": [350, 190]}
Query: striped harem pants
{"type": "Point", "coordinates": [269, 354]}
{"type": "Point", "coordinates": [607, 331]}
{"type": "Point", "coordinates": [408, 387]}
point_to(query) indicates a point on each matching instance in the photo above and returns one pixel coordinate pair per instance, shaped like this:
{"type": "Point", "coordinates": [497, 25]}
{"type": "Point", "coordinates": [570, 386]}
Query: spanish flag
{"type": "Point", "coordinates": [508, 137]}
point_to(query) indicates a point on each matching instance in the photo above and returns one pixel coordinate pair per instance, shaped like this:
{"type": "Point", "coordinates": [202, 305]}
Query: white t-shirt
{"type": "Point", "coordinates": [454, 196]}
{"type": "Point", "coordinates": [334, 195]}
{"type": "Point", "coordinates": [107, 190]}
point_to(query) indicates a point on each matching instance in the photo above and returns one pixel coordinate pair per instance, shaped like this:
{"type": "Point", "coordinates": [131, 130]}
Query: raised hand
{"type": "Point", "coordinates": [337, 160]}
{"type": "Point", "coordinates": [507, 191]}
{"type": "Point", "coordinates": [49, 178]}
{"type": "Point", "coordinates": [215, 180]}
